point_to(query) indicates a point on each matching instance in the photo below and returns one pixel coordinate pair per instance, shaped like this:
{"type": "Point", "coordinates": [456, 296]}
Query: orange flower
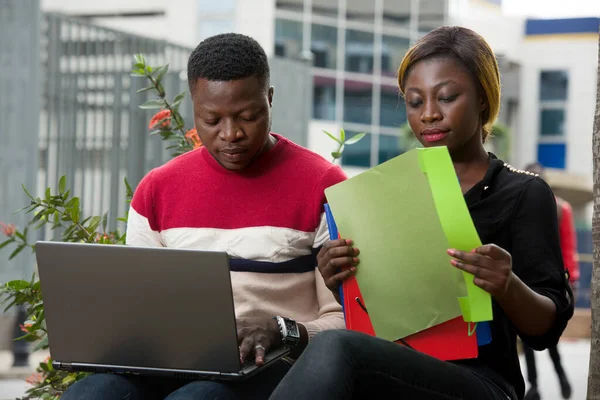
{"type": "Point", "coordinates": [193, 138]}
{"type": "Point", "coordinates": [25, 327]}
{"type": "Point", "coordinates": [160, 116]}
{"type": "Point", "coordinates": [8, 229]}
{"type": "Point", "coordinates": [35, 379]}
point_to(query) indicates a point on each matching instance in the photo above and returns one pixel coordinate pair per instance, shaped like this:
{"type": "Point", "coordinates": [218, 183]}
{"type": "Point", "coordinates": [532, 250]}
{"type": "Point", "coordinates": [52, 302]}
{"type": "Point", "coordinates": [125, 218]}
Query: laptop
{"type": "Point", "coordinates": [142, 311]}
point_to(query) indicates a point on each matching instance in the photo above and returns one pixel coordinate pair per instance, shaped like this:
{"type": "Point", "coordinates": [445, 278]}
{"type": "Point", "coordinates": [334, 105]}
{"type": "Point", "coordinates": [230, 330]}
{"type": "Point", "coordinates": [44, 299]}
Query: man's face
{"type": "Point", "coordinates": [233, 119]}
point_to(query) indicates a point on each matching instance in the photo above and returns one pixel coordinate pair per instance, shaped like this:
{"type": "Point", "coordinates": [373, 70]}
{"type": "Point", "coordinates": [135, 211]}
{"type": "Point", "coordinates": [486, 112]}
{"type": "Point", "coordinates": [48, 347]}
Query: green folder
{"type": "Point", "coordinates": [403, 215]}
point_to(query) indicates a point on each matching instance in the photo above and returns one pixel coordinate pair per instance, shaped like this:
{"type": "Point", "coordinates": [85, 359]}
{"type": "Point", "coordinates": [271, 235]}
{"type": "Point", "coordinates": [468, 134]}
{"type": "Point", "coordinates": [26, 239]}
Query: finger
{"type": "Point", "coordinates": [493, 251]}
{"type": "Point", "coordinates": [477, 271]}
{"type": "Point", "coordinates": [336, 280]}
{"type": "Point", "coordinates": [485, 285]}
{"type": "Point", "coordinates": [338, 251]}
{"type": "Point", "coordinates": [330, 244]}
{"type": "Point", "coordinates": [337, 265]}
{"type": "Point", "coordinates": [246, 348]}
{"type": "Point", "coordinates": [471, 258]}
{"type": "Point", "coordinates": [259, 353]}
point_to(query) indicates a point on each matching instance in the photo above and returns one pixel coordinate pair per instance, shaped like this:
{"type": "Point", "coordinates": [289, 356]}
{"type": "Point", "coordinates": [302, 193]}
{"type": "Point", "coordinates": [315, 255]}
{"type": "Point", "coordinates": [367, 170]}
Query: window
{"type": "Point", "coordinates": [552, 121]}
{"type": "Point", "coordinates": [325, 8]}
{"type": "Point", "coordinates": [324, 46]}
{"type": "Point", "coordinates": [324, 98]}
{"type": "Point", "coordinates": [210, 28]}
{"type": "Point", "coordinates": [358, 154]}
{"type": "Point", "coordinates": [392, 108]}
{"type": "Point", "coordinates": [396, 13]}
{"type": "Point", "coordinates": [359, 51]}
{"type": "Point", "coordinates": [554, 88]}
{"type": "Point", "coordinates": [358, 102]}
{"type": "Point", "coordinates": [553, 85]}
{"type": "Point", "coordinates": [288, 38]}
{"type": "Point", "coordinates": [389, 147]}
{"type": "Point", "coordinates": [392, 51]}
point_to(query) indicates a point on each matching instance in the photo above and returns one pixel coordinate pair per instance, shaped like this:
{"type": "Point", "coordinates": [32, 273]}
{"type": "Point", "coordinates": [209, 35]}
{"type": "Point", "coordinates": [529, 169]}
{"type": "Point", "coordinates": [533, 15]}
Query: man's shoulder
{"type": "Point", "coordinates": [307, 161]}
{"type": "Point", "coordinates": [178, 166]}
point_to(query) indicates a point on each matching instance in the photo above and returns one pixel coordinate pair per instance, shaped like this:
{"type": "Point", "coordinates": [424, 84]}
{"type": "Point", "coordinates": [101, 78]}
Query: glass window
{"type": "Point", "coordinates": [552, 122]}
{"type": "Point", "coordinates": [392, 51]}
{"type": "Point", "coordinates": [288, 38]}
{"type": "Point", "coordinates": [324, 98]}
{"type": "Point", "coordinates": [325, 8]}
{"type": "Point", "coordinates": [358, 154]}
{"type": "Point", "coordinates": [210, 28]}
{"type": "Point", "coordinates": [358, 102]}
{"type": "Point", "coordinates": [359, 51]}
{"type": "Point", "coordinates": [216, 7]}
{"type": "Point", "coordinates": [324, 46]}
{"type": "Point", "coordinates": [552, 155]}
{"type": "Point", "coordinates": [396, 13]}
{"type": "Point", "coordinates": [554, 85]}
{"type": "Point", "coordinates": [360, 11]}
{"type": "Point", "coordinates": [290, 5]}
{"type": "Point", "coordinates": [431, 14]}
{"type": "Point", "coordinates": [392, 108]}
{"type": "Point", "coordinates": [389, 147]}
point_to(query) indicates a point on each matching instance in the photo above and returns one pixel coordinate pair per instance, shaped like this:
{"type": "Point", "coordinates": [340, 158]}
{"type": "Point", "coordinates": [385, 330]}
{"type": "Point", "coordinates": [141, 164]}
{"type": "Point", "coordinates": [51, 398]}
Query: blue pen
{"type": "Point", "coordinates": [333, 235]}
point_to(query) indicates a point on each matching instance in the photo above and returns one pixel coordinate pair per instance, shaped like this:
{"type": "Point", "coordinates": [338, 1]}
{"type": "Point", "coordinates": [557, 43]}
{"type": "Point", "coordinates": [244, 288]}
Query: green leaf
{"type": "Point", "coordinates": [18, 285]}
{"type": "Point", "coordinates": [129, 192]}
{"type": "Point", "coordinates": [17, 251]}
{"type": "Point", "coordinates": [178, 99]}
{"type": "Point", "coordinates": [139, 58]}
{"type": "Point", "coordinates": [355, 139]}
{"type": "Point", "coordinates": [333, 137]}
{"type": "Point", "coordinates": [94, 223]}
{"type": "Point", "coordinates": [342, 135]}
{"type": "Point", "coordinates": [20, 236]}
{"type": "Point", "coordinates": [6, 243]}
{"type": "Point", "coordinates": [26, 192]}
{"type": "Point", "coordinates": [104, 221]}
{"type": "Point", "coordinates": [68, 379]}
{"type": "Point", "coordinates": [149, 69]}
{"type": "Point", "coordinates": [75, 213]}
{"type": "Point", "coordinates": [144, 89]}
{"type": "Point", "coordinates": [138, 74]}
{"type": "Point", "coordinates": [62, 184]}
{"type": "Point", "coordinates": [153, 104]}
{"type": "Point", "coordinates": [48, 195]}
{"type": "Point", "coordinates": [160, 72]}
{"type": "Point", "coordinates": [43, 344]}
{"type": "Point", "coordinates": [336, 155]}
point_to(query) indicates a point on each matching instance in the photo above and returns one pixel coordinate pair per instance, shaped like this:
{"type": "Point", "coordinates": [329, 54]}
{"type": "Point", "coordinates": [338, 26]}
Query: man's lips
{"type": "Point", "coordinates": [434, 135]}
{"type": "Point", "coordinates": [233, 155]}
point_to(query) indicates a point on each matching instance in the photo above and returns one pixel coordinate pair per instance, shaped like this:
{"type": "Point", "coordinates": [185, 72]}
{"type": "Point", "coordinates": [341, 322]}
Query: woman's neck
{"type": "Point", "coordinates": [470, 163]}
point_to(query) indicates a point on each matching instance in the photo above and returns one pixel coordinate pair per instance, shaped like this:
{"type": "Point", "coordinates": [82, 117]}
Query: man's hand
{"type": "Point", "coordinates": [256, 337]}
{"type": "Point", "coordinates": [491, 265]}
{"type": "Point", "coordinates": [332, 258]}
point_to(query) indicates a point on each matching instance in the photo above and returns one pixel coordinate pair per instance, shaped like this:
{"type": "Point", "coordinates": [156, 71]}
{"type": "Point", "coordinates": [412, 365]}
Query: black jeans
{"type": "Point", "coordinates": [530, 361]}
{"type": "Point", "coordinates": [117, 387]}
{"type": "Point", "coordinates": [350, 365]}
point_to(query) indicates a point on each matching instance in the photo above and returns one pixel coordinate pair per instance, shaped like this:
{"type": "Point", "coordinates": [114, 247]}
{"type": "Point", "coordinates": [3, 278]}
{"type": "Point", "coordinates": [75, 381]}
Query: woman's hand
{"type": "Point", "coordinates": [491, 265]}
{"type": "Point", "coordinates": [337, 261]}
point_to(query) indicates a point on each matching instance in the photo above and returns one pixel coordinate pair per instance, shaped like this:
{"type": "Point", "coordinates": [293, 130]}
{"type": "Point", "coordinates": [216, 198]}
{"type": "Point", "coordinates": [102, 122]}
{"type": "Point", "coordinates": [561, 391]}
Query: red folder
{"type": "Point", "coordinates": [447, 341]}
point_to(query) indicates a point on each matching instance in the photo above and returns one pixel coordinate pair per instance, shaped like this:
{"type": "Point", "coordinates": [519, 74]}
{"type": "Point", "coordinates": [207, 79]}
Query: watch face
{"type": "Point", "coordinates": [292, 328]}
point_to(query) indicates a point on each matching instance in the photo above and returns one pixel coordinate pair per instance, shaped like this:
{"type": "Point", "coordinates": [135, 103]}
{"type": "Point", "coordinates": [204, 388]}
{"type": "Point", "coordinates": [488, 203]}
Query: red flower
{"type": "Point", "coordinates": [160, 116]}
{"type": "Point", "coordinates": [8, 230]}
{"type": "Point", "coordinates": [25, 327]}
{"type": "Point", "coordinates": [35, 379]}
{"type": "Point", "coordinates": [193, 138]}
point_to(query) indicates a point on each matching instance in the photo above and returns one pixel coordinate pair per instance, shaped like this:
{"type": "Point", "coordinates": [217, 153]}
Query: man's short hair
{"type": "Point", "coordinates": [228, 57]}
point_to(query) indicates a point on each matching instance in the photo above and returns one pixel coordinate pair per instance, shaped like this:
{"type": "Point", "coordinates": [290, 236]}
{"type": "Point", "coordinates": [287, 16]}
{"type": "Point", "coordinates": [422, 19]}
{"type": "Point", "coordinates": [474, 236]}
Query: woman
{"type": "Point", "coordinates": [451, 85]}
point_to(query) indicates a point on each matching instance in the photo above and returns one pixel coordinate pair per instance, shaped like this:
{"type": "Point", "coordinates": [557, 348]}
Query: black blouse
{"type": "Point", "coordinates": [517, 211]}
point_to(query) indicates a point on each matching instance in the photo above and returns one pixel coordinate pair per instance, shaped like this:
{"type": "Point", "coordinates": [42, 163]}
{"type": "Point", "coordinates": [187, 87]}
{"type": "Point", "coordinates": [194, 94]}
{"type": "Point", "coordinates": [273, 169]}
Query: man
{"type": "Point", "coordinates": [251, 193]}
{"type": "Point", "coordinates": [568, 246]}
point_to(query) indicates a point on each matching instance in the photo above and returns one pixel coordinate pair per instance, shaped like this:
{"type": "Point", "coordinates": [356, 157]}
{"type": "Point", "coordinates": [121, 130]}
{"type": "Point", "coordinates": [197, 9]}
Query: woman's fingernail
{"type": "Point", "coordinates": [454, 262]}
{"type": "Point", "coordinates": [452, 252]}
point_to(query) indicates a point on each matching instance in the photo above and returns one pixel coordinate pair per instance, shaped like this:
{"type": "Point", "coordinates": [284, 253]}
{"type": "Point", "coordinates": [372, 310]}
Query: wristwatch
{"type": "Point", "coordinates": [290, 334]}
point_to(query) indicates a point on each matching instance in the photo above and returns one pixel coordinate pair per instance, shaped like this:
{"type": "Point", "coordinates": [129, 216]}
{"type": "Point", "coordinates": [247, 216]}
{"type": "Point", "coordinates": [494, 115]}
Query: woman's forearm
{"type": "Point", "coordinates": [530, 312]}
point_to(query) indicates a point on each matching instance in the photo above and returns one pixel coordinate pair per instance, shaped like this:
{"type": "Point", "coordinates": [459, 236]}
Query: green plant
{"type": "Point", "coordinates": [61, 212]}
{"type": "Point", "coordinates": [342, 142]}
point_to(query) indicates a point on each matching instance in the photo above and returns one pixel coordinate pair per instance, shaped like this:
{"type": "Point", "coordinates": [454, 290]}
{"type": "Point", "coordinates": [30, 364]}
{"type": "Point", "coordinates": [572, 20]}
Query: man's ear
{"type": "Point", "coordinates": [270, 95]}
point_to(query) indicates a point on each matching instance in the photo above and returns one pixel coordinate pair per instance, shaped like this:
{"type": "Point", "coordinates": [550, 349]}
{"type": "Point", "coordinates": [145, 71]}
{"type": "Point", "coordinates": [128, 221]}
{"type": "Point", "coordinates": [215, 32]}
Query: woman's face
{"type": "Point", "coordinates": [443, 105]}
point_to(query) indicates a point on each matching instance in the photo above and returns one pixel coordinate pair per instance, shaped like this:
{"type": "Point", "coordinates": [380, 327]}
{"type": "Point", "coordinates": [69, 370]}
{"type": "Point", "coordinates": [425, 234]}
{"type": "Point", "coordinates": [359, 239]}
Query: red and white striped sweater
{"type": "Point", "coordinates": [268, 218]}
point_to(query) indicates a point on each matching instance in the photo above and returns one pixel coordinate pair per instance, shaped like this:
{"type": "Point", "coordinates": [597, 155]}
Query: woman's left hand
{"type": "Point", "coordinates": [491, 265]}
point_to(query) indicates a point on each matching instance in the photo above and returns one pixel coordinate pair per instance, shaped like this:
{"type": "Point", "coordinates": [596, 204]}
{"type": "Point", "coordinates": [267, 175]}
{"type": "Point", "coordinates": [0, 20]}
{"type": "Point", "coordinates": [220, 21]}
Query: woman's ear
{"type": "Point", "coordinates": [483, 104]}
